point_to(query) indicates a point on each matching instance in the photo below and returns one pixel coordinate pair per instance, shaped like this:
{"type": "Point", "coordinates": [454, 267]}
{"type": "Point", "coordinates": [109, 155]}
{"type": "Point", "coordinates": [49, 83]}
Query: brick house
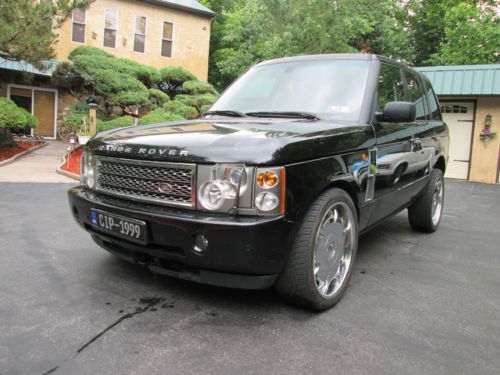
{"type": "Point", "coordinates": [159, 33]}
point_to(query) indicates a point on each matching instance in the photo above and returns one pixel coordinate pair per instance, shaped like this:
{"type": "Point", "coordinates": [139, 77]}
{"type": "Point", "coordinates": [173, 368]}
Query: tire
{"type": "Point", "coordinates": [421, 215]}
{"type": "Point", "coordinates": [299, 283]}
{"type": "Point", "coordinates": [398, 173]}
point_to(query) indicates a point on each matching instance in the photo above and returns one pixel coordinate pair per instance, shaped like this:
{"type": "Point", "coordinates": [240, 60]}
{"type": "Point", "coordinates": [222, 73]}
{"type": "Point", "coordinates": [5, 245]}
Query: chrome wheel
{"type": "Point", "coordinates": [437, 201]}
{"type": "Point", "coordinates": [334, 244]}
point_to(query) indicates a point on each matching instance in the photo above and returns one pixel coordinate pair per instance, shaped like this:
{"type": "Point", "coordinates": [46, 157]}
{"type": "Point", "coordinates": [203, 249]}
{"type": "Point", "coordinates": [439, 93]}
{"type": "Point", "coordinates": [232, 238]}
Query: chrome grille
{"type": "Point", "coordinates": [154, 182]}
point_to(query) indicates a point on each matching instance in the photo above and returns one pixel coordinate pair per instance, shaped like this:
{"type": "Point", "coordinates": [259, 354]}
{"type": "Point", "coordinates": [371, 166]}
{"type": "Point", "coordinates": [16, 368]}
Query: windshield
{"type": "Point", "coordinates": [331, 89]}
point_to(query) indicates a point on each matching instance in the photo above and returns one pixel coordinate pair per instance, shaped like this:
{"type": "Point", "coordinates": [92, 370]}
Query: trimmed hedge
{"type": "Point", "coordinates": [14, 117]}
{"type": "Point", "coordinates": [119, 122]}
{"type": "Point", "coordinates": [159, 115]}
{"type": "Point", "coordinates": [157, 97]}
{"type": "Point", "coordinates": [196, 87]}
{"type": "Point", "coordinates": [181, 109]}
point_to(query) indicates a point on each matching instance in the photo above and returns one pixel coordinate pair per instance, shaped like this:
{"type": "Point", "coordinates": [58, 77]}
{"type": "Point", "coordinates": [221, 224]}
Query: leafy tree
{"type": "Point", "coordinates": [471, 35]}
{"type": "Point", "coordinates": [26, 27]}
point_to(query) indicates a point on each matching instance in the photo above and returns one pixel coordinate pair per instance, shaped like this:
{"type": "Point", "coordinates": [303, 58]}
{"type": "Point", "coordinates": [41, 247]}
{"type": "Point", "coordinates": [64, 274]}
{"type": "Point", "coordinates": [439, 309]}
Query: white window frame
{"type": "Point", "coordinates": [107, 28]}
{"type": "Point", "coordinates": [145, 34]}
{"type": "Point", "coordinates": [33, 89]}
{"type": "Point", "coordinates": [84, 28]}
{"type": "Point", "coordinates": [171, 40]}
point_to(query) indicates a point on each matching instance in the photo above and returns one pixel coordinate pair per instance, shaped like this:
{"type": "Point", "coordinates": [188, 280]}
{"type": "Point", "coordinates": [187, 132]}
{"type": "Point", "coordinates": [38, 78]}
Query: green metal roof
{"type": "Point", "coordinates": [464, 79]}
{"type": "Point", "coordinates": [188, 5]}
{"type": "Point", "coordinates": [23, 66]}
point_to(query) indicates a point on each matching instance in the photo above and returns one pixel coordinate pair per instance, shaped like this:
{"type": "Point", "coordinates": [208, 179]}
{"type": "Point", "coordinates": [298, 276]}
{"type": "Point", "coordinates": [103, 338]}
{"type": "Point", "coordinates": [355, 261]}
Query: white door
{"type": "Point", "coordinates": [459, 117]}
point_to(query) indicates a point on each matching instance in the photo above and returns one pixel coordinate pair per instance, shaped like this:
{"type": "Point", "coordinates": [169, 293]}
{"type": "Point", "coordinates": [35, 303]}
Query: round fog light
{"type": "Point", "coordinates": [266, 201]}
{"type": "Point", "coordinates": [200, 244]}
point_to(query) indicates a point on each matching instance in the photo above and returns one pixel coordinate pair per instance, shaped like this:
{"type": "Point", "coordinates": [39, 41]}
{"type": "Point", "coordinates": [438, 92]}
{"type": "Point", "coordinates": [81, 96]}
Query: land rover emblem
{"type": "Point", "coordinates": [165, 187]}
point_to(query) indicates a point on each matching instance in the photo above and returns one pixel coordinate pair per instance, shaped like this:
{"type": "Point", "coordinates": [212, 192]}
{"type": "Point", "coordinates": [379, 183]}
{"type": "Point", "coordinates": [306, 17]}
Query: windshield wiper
{"type": "Point", "coordinates": [225, 113]}
{"type": "Point", "coordinates": [284, 114]}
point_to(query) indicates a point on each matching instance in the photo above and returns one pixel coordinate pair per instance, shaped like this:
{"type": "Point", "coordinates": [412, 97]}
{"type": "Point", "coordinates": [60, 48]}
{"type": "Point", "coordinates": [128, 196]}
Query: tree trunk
{"type": "Point", "coordinates": [6, 139]}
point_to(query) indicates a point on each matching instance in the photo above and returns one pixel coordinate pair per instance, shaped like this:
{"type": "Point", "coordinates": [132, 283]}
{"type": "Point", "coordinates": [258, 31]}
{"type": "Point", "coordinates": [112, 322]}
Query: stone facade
{"type": "Point", "coordinates": [191, 34]}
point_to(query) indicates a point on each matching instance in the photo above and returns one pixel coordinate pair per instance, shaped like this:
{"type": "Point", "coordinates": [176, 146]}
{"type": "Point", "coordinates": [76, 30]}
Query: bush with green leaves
{"type": "Point", "coordinates": [14, 117]}
{"type": "Point", "coordinates": [159, 115]}
{"type": "Point", "coordinates": [75, 120]}
{"type": "Point", "coordinates": [172, 79]}
{"type": "Point", "coordinates": [179, 108]}
{"type": "Point", "coordinates": [172, 93]}
{"type": "Point", "coordinates": [157, 98]}
{"type": "Point", "coordinates": [119, 122]}
{"type": "Point", "coordinates": [196, 101]}
{"type": "Point", "coordinates": [195, 87]}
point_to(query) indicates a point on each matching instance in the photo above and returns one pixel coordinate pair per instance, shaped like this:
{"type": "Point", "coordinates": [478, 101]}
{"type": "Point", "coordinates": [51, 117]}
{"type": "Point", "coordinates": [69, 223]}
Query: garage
{"type": "Point", "coordinates": [459, 116]}
{"type": "Point", "coordinates": [469, 97]}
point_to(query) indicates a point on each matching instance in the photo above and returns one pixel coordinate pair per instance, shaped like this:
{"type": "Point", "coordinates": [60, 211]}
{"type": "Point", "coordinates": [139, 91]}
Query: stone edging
{"type": "Point", "coordinates": [61, 171]}
{"type": "Point", "coordinates": [16, 156]}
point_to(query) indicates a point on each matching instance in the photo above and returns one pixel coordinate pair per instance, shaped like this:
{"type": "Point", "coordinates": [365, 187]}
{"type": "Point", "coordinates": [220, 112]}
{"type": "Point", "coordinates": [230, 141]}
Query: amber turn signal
{"type": "Point", "coordinates": [267, 179]}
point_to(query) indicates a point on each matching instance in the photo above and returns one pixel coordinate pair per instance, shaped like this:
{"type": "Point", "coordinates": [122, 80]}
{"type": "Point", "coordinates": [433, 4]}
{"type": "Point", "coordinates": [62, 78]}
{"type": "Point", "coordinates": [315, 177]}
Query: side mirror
{"type": "Point", "coordinates": [398, 112]}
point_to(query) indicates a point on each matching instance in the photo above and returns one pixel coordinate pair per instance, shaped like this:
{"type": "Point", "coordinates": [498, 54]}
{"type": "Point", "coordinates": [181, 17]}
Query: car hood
{"type": "Point", "coordinates": [256, 141]}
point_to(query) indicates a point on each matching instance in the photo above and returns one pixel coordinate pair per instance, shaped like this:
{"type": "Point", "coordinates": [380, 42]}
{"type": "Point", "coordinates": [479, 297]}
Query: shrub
{"type": "Point", "coordinates": [118, 122]}
{"type": "Point", "coordinates": [157, 97]}
{"type": "Point", "coordinates": [181, 109]}
{"type": "Point", "coordinates": [14, 117]}
{"type": "Point", "coordinates": [125, 98]}
{"type": "Point", "coordinates": [75, 120]}
{"type": "Point", "coordinates": [88, 51]}
{"type": "Point", "coordinates": [196, 101]}
{"type": "Point", "coordinates": [204, 108]}
{"type": "Point", "coordinates": [172, 79]}
{"type": "Point", "coordinates": [198, 87]}
{"type": "Point", "coordinates": [159, 115]}
{"type": "Point", "coordinates": [66, 76]}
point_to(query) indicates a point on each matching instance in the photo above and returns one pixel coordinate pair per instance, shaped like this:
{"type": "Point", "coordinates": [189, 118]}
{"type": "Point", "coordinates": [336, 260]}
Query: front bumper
{"type": "Point", "coordinates": [243, 252]}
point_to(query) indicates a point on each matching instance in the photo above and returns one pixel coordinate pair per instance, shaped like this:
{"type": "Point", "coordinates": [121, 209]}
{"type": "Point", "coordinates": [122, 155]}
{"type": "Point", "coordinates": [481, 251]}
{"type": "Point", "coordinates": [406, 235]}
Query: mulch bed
{"type": "Point", "coordinates": [9, 152]}
{"type": "Point", "coordinates": [72, 165]}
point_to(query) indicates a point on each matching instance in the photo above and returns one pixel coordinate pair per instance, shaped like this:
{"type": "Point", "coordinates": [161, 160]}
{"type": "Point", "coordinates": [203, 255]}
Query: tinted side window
{"type": "Point", "coordinates": [416, 94]}
{"type": "Point", "coordinates": [390, 86]}
{"type": "Point", "coordinates": [432, 102]}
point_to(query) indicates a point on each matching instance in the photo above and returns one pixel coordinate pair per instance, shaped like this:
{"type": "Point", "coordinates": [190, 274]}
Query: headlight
{"type": "Point", "coordinates": [270, 191]}
{"type": "Point", "coordinates": [235, 188]}
{"type": "Point", "coordinates": [221, 187]}
{"type": "Point", "coordinates": [87, 170]}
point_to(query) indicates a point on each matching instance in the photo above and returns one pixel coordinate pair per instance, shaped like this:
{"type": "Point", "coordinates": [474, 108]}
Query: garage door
{"type": "Point", "coordinates": [459, 117]}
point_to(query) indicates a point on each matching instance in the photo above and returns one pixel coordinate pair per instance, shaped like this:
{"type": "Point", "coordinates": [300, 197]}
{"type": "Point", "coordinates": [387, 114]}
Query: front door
{"type": "Point", "coordinates": [44, 111]}
{"type": "Point", "coordinates": [459, 117]}
{"type": "Point", "coordinates": [404, 150]}
{"type": "Point", "coordinates": [39, 102]}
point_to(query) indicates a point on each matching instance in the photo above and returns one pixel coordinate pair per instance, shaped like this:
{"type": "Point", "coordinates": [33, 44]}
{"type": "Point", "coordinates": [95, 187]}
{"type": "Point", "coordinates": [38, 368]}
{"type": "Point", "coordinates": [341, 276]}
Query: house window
{"type": "Point", "coordinates": [140, 34]}
{"type": "Point", "coordinates": [452, 108]}
{"type": "Point", "coordinates": [79, 17]}
{"type": "Point", "coordinates": [167, 39]}
{"type": "Point", "coordinates": [110, 25]}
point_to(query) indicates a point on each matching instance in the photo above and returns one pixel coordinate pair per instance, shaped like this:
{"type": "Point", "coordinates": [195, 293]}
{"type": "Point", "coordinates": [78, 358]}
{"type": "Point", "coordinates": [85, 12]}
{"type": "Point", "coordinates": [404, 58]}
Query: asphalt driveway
{"type": "Point", "coordinates": [417, 303]}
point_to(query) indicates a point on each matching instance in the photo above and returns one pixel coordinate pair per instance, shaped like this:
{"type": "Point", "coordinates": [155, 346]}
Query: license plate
{"type": "Point", "coordinates": [124, 227]}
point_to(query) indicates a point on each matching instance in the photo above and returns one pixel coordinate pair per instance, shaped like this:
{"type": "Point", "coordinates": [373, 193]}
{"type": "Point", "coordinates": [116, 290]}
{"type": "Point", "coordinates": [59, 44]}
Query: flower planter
{"type": "Point", "coordinates": [83, 139]}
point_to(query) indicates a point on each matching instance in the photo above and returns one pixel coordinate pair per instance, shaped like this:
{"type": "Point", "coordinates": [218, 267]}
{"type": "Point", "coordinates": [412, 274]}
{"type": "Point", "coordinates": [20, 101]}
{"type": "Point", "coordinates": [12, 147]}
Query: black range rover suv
{"type": "Point", "coordinates": [274, 183]}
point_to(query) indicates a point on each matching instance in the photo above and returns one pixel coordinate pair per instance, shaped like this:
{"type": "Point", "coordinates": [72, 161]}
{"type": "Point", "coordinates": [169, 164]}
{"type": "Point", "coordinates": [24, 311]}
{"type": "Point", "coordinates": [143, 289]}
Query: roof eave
{"type": "Point", "coordinates": [199, 12]}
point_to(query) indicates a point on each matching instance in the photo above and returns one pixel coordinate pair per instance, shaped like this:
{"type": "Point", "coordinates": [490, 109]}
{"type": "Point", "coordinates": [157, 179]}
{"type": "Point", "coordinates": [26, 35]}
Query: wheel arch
{"type": "Point", "coordinates": [441, 164]}
{"type": "Point", "coordinates": [348, 187]}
